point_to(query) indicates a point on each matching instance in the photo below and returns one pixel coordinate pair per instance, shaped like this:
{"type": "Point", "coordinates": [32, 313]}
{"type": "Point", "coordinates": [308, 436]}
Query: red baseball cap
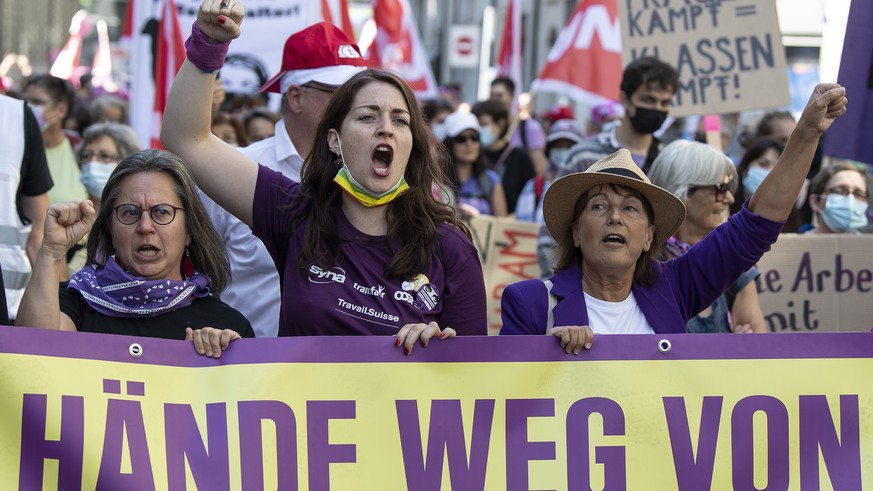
{"type": "Point", "coordinates": [322, 53]}
{"type": "Point", "coordinates": [559, 112]}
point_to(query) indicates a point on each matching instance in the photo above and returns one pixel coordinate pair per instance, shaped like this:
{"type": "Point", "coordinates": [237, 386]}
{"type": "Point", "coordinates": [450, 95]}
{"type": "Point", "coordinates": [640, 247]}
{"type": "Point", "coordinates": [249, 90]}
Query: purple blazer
{"type": "Point", "coordinates": [682, 288]}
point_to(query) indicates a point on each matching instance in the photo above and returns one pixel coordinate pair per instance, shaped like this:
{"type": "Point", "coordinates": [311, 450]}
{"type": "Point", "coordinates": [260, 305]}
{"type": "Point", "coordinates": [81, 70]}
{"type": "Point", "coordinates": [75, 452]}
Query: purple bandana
{"type": "Point", "coordinates": [114, 292]}
{"type": "Point", "coordinates": [676, 247]}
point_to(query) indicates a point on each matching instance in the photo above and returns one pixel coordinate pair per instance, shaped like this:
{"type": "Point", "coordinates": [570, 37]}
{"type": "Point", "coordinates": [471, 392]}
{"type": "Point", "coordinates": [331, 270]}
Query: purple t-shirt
{"type": "Point", "coordinates": [536, 137]}
{"type": "Point", "coordinates": [471, 193]}
{"type": "Point", "coordinates": [354, 296]}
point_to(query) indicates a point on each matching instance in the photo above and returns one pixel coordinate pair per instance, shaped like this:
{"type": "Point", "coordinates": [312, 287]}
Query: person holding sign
{"type": "Point", "coordinates": [705, 179]}
{"type": "Point", "coordinates": [360, 243]}
{"type": "Point", "coordinates": [611, 222]}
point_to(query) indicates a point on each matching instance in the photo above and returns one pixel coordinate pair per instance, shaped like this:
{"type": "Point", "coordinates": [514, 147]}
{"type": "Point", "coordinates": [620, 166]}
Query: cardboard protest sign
{"type": "Point", "coordinates": [510, 256]}
{"type": "Point", "coordinates": [686, 412]}
{"type": "Point", "coordinates": [820, 283]}
{"type": "Point", "coordinates": [729, 55]}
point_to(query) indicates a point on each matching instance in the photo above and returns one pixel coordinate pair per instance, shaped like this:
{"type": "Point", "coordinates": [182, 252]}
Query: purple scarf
{"type": "Point", "coordinates": [114, 292]}
{"type": "Point", "coordinates": [675, 247]}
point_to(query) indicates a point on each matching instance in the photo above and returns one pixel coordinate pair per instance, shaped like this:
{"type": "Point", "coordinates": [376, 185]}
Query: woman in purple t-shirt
{"type": "Point", "coordinates": [361, 244]}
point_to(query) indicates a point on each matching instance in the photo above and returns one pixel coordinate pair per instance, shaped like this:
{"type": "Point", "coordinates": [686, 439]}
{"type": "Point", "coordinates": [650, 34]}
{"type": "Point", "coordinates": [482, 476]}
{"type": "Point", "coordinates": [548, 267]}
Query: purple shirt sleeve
{"type": "Point", "coordinates": [523, 308]}
{"type": "Point", "coordinates": [270, 216]}
{"type": "Point", "coordinates": [464, 294]}
{"type": "Point", "coordinates": [708, 269]}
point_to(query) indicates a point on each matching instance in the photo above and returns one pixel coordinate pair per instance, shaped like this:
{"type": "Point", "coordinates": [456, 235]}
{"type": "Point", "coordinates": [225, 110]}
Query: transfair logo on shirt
{"type": "Point", "coordinates": [426, 296]}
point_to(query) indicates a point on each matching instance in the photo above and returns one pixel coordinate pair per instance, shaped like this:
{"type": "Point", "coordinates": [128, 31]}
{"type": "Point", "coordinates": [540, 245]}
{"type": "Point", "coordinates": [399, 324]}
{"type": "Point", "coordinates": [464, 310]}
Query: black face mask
{"type": "Point", "coordinates": [647, 120]}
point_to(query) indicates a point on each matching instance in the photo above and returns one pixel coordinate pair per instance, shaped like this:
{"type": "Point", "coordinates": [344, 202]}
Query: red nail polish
{"type": "Point", "coordinates": [221, 19]}
{"type": "Point", "coordinates": [442, 335]}
{"type": "Point", "coordinates": [406, 351]}
{"type": "Point", "coordinates": [397, 342]}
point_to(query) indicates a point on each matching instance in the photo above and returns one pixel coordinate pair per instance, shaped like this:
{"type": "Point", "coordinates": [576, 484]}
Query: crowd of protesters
{"type": "Point", "coordinates": [346, 211]}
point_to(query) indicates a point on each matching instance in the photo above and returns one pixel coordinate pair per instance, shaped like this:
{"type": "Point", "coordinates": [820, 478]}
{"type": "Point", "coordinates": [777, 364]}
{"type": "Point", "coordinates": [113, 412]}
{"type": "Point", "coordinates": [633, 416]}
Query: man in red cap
{"type": "Point", "coordinates": [315, 62]}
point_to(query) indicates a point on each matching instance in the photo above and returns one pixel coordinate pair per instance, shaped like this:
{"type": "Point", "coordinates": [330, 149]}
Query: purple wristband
{"type": "Point", "coordinates": [205, 55]}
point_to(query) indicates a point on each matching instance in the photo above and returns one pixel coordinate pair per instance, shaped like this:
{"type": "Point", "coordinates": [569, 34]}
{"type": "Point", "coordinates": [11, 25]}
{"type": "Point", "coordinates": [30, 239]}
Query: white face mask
{"type": "Point", "coordinates": [95, 175]}
{"type": "Point", "coordinates": [557, 156]}
{"type": "Point", "coordinates": [39, 114]}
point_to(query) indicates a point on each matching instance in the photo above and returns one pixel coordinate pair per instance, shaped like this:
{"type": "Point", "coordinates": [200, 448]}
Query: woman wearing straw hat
{"type": "Point", "coordinates": [610, 223]}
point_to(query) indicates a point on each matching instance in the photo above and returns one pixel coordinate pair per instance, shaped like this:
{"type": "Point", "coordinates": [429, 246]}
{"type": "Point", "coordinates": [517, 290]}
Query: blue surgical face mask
{"type": "Point", "coordinates": [95, 175]}
{"type": "Point", "coordinates": [439, 130]}
{"type": "Point", "coordinates": [753, 179]}
{"type": "Point", "coordinates": [844, 213]}
{"type": "Point", "coordinates": [486, 137]}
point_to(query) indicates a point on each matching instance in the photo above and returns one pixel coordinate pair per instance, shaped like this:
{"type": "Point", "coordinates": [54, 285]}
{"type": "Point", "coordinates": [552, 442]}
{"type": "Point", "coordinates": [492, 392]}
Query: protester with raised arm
{"type": "Point", "coordinates": [361, 244]}
{"type": "Point", "coordinates": [610, 223]}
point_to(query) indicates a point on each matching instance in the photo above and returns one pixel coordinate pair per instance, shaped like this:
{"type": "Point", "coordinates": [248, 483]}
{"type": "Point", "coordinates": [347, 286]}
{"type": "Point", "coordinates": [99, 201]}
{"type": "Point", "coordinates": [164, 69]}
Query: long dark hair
{"type": "Point", "coordinates": [413, 217]}
{"type": "Point", "coordinates": [480, 165]}
{"type": "Point", "coordinates": [206, 251]}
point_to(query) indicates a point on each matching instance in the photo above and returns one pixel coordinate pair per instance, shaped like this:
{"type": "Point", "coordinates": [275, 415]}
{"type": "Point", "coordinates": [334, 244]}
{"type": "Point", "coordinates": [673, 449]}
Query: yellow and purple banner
{"type": "Point", "coordinates": [687, 412]}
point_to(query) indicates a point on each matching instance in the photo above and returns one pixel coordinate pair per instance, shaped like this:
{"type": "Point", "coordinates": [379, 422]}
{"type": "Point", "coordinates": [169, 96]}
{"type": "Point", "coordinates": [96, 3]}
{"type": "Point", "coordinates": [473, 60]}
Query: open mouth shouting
{"type": "Point", "coordinates": [614, 239]}
{"type": "Point", "coordinates": [383, 156]}
{"type": "Point", "coordinates": [147, 251]}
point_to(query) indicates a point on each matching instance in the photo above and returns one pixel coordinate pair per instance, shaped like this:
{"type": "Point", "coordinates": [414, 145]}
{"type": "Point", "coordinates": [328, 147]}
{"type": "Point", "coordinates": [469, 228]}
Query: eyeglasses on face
{"type": "Point", "coordinates": [859, 194]}
{"type": "Point", "coordinates": [88, 156]}
{"type": "Point", "coordinates": [720, 189]}
{"type": "Point", "coordinates": [162, 214]}
{"type": "Point", "coordinates": [320, 88]}
{"type": "Point", "coordinates": [473, 137]}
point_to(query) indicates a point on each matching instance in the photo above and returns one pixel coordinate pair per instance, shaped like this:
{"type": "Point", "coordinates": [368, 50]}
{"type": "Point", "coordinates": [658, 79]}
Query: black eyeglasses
{"type": "Point", "coordinates": [326, 90]}
{"type": "Point", "coordinates": [720, 189]}
{"type": "Point", "coordinates": [859, 194]}
{"type": "Point", "coordinates": [474, 137]}
{"type": "Point", "coordinates": [162, 214]}
{"type": "Point", "coordinates": [99, 156]}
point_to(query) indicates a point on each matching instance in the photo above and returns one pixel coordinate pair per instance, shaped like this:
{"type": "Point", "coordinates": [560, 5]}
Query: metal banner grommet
{"type": "Point", "coordinates": [664, 346]}
{"type": "Point", "coordinates": [135, 350]}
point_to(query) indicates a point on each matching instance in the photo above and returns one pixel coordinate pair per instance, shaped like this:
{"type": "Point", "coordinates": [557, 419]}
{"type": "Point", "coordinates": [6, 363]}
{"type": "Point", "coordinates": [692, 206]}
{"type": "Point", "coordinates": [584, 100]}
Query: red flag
{"type": "Point", "coordinates": [509, 54]}
{"type": "Point", "coordinates": [585, 62]}
{"type": "Point", "coordinates": [398, 47]}
{"type": "Point", "coordinates": [171, 54]}
{"type": "Point", "coordinates": [67, 62]}
{"type": "Point", "coordinates": [333, 9]}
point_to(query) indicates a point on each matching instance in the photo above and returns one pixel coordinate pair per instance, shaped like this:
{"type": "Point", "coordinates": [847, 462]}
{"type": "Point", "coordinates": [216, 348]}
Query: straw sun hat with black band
{"type": "Point", "coordinates": [618, 169]}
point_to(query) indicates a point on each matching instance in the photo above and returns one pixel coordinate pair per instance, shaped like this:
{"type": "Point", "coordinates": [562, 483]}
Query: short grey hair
{"type": "Point", "coordinates": [105, 101]}
{"type": "Point", "coordinates": [683, 164]}
{"type": "Point", "coordinates": [122, 134]}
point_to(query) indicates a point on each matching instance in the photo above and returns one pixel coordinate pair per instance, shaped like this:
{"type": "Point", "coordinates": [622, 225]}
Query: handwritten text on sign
{"type": "Point", "coordinates": [729, 55]}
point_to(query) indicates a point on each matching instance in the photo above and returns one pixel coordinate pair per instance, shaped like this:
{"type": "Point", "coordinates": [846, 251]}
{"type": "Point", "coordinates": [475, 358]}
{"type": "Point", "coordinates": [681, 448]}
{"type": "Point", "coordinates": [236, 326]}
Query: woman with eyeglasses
{"type": "Point", "coordinates": [838, 196]}
{"type": "Point", "coordinates": [156, 264]}
{"type": "Point", "coordinates": [477, 189]}
{"type": "Point", "coordinates": [705, 179]}
{"type": "Point", "coordinates": [103, 146]}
